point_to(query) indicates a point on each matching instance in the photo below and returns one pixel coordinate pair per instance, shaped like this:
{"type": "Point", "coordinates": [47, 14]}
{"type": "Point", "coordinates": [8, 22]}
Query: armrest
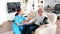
{"type": "Point", "coordinates": [50, 29]}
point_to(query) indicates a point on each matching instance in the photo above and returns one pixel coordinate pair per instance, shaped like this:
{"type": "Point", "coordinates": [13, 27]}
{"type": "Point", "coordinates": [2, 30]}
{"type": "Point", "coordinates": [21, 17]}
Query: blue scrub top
{"type": "Point", "coordinates": [19, 19]}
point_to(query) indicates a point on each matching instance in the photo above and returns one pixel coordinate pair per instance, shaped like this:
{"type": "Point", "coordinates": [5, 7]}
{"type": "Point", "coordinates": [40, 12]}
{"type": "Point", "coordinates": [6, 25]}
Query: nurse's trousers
{"type": "Point", "coordinates": [17, 29]}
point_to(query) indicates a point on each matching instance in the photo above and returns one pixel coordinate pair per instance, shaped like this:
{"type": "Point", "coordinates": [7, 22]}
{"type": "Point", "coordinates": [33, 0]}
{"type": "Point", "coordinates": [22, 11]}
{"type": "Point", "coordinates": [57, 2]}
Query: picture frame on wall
{"type": "Point", "coordinates": [13, 6]}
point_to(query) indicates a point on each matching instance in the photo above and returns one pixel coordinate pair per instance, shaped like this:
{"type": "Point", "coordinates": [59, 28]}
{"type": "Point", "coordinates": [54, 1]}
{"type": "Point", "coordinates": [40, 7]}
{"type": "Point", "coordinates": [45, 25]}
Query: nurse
{"type": "Point", "coordinates": [18, 24]}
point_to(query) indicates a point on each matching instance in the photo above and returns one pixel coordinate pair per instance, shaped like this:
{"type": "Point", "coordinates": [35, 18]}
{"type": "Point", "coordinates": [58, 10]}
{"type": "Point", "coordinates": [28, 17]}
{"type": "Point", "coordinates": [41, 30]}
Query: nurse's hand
{"type": "Point", "coordinates": [19, 24]}
{"type": "Point", "coordinates": [25, 23]}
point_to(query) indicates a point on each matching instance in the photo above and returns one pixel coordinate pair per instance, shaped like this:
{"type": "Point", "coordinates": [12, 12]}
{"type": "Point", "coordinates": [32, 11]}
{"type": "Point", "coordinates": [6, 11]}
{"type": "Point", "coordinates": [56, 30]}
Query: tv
{"type": "Point", "coordinates": [13, 6]}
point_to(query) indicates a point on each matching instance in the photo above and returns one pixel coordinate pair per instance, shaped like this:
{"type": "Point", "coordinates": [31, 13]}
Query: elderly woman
{"type": "Point", "coordinates": [39, 21]}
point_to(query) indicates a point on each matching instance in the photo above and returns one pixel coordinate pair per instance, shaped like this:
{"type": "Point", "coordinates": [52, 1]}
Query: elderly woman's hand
{"type": "Point", "coordinates": [43, 26]}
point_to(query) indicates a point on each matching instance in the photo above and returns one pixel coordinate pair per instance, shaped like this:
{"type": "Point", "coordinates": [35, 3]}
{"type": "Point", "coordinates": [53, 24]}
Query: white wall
{"type": "Point", "coordinates": [57, 1]}
{"type": "Point", "coordinates": [4, 15]}
{"type": "Point", "coordinates": [51, 2]}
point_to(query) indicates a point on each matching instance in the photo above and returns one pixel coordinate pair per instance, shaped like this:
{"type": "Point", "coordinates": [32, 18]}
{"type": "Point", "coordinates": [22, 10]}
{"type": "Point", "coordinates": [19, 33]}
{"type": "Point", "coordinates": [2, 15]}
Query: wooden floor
{"type": "Point", "coordinates": [58, 27]}
{"type": "Point", "coordinates": [7, 27]}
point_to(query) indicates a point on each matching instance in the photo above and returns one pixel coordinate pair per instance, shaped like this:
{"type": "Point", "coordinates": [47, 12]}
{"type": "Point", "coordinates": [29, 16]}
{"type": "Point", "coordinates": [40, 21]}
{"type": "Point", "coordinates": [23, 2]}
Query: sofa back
{"type": "Point", "coordinates": [52, 17]}
{"type": "Point", "coordinates": [32, 14]}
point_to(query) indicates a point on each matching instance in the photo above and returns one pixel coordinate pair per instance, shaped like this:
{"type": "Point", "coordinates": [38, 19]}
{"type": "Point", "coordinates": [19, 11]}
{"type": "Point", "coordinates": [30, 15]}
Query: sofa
{"type": "Point", "coordinates": [50, 29]}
